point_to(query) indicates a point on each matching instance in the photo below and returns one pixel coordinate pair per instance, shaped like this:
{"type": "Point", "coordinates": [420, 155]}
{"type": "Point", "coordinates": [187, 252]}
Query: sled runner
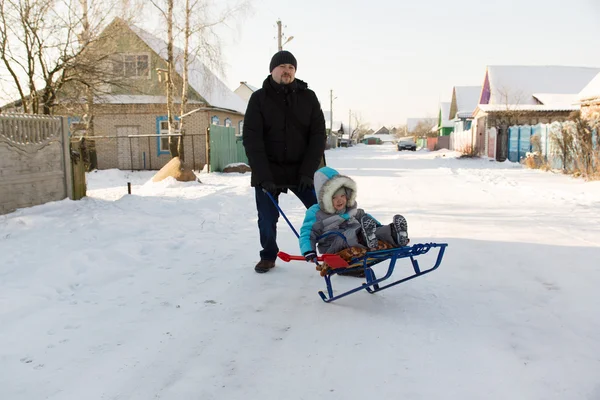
{"type": "Point", "coordinates": [334, 264]}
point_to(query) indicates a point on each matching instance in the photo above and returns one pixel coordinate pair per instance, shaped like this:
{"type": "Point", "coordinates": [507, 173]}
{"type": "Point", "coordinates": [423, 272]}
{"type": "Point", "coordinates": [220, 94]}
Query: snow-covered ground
{"type": "Point", "coordinates": [153, 295]}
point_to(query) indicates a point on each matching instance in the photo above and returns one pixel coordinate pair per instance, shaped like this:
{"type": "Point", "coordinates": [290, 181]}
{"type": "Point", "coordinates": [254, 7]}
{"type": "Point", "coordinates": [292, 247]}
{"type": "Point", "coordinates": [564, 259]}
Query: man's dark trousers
{"type": "Point", "coordinates": [268, 216]}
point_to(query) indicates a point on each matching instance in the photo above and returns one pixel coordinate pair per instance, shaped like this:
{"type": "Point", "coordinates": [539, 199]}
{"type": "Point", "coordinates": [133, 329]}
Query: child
{"type": "Point", "coordinates": [336, 211]}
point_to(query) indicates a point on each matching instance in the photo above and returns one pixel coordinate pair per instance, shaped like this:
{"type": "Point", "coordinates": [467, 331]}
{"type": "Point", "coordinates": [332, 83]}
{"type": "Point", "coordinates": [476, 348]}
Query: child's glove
{"type": "Point", "coordinates": [310, 256]}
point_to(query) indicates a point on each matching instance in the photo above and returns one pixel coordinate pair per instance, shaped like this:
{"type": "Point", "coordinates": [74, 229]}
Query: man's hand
{"type": "Point", "coordinates": [269, 187]}
{"type": "Point", "coordinates": [310, 256]}
{"type": "Point", "coordinates": [305, 183]}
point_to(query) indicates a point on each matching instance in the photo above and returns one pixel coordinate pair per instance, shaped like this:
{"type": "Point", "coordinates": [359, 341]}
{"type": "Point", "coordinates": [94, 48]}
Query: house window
{"type": "Point", "coordinates": [214, 120]}
{"type": "Point", "coordinates": [162, 128]}
{"type": "Point", "coordinates": [227, 122]}
{"type": "Point", "coordinates": [133, 65]}
{"type": "Point", "coordinates": [240, 127]}
{"type": "Point", "coordinates": [468, 125]}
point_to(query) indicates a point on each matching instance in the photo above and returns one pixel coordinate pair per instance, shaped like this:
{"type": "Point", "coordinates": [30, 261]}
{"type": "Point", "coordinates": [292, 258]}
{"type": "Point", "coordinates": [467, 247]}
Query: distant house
{"type": "Point", "coordinates": [379, 138]}
{"type": "Point", "coordinates": [336, 127]}
{"type": "Point", "coordinates": [444, 125]}
{"type": "Point", "coordinates": [463, 104]}
{"type": "Point", "coordinates": [245, 90]}
{"type": "Point", "coordinates": [382, 131]}
{"type": "Point", "coordinates": [371, 140]}
{"type": "Point", "coordinates": [589, 98]}
{"type": "Point", "coordinates": [525, 95]}
{"type": "Point", "coordinates": [130, 120]}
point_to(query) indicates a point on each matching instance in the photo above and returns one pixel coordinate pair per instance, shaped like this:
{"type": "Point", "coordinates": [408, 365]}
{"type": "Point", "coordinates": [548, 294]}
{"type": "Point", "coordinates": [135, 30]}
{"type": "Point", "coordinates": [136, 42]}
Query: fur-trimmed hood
{"type": "Point", "coordinates": [327, 181]}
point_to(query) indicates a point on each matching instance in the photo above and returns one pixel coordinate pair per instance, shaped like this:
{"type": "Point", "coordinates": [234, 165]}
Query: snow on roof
{"type": "Point", "coordinates": [526, 107]}
{"type": "Point", "coordinates": [382, 131]}
{"type": "Point", "coordinates": [252, 88]}
{"type": "Point", "coordinates": [465, 114]}
{"type": "Point", "coordinates": [592, 90]}
{"type": "Point", "coordinates": [556, 99]}
{"type": "Point", "coordinates": [337, 125]}
{"type": "Point", "coordinates": [467, 98]}
{"type": "Point", "coordinates": [202, 79]}
{"type": "Point", "coordinates": [516, 84]}
{"type": "Point", "coordinates": [445, 109]}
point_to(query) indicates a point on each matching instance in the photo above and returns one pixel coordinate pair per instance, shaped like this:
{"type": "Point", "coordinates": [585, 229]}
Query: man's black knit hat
{"type": "Point", "coordinates": [282, 57]}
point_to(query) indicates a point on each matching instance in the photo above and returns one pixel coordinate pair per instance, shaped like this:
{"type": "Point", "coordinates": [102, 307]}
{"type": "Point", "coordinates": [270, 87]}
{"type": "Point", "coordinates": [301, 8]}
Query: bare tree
{"type": "Point", "coordinates": [48, 51]}
{"type": "Point", "coordinates": [561, 136]}
{"type": "Point", "coordinates": [424, 128]}
{"type": "Point", "coordinates": [401, 130]}
{"type": "Point", "coordinates": [200, 39]}
{"type": "Point", "coordinates": [361, 127]}
{"type": "Point", "coordinates": [583, 145]}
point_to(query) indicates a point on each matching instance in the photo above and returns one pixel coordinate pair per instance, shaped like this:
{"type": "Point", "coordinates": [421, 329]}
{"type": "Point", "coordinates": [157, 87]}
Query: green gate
{"type": "Point", "coordinates": [225, 148]}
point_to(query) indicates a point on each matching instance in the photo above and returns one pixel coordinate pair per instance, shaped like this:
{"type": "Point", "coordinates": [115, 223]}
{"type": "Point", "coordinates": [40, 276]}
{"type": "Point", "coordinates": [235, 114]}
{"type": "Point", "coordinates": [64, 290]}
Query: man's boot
{"type": "Point", "coordinates": [264, 266]}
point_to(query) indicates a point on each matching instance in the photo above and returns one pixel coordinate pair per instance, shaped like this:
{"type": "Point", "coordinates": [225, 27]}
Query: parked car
{"type": "Point", "coordinates": [407, 144]}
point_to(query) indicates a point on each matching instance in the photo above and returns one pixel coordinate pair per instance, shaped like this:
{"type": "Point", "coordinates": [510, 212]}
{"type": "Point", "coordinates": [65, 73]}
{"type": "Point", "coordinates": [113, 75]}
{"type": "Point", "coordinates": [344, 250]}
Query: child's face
{"type": "Point", "coordinates": [339, 202]}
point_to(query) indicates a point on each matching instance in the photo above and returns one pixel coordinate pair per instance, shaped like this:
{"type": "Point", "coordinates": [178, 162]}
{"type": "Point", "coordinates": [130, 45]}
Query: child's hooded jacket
{"type": "Point", "coordinates": [322, 217]}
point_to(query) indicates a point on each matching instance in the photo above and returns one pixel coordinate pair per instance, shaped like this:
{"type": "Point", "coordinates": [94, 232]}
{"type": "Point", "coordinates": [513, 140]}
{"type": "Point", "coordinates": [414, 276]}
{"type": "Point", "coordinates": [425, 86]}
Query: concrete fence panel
{"type": "Point", "coordinates": [35, 164]}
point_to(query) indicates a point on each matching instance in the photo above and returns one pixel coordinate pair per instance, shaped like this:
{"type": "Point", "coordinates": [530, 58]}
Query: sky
{"type": "Point", "coordinates": [153, 295]}
{"type": "Point", "coordinates": [389, 60]}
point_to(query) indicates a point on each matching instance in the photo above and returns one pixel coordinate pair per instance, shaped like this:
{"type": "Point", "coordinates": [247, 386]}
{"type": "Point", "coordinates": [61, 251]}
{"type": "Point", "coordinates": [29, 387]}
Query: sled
{"type": "Point", "coordinates": [333, 264]}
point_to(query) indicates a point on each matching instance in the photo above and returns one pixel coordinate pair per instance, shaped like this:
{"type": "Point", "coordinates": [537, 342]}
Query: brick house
{"type": "Point", "coordinates": [524, 95]}
{"type": "Point", "coordinates": [130, 119]}
{"type": "Point", "coordinates": [589, 99]}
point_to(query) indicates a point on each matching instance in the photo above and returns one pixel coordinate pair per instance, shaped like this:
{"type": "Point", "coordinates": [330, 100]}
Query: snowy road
{"type": "Point", "coordinates": [153, 295]}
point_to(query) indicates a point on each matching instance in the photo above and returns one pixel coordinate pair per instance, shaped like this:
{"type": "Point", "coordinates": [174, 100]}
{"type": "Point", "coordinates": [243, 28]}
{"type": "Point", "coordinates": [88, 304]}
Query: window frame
{"type": "Point", "coordinates": [121, 62]}
{"type": "Point", "coordinates": [160, 131]}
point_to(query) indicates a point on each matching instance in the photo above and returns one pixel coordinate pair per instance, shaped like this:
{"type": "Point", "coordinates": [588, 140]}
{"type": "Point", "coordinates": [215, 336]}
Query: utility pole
{"type": "Point", "coordinates": [279, 34]}
{"type": "Point", "coordinates": [349, 122]}
{"type": "Point", "coordinates": [280, 42]}
{"type": "Point", "coordinates": [331, 112]}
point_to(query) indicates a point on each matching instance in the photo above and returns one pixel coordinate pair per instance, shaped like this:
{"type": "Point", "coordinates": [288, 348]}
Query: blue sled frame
{"type": "Point", "coordinates": [372, 284]}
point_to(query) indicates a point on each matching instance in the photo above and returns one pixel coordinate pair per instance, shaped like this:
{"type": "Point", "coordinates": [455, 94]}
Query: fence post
{"type": "Point", "coordinates": [130, 154]}
{"type": "Point", "coordinates": [79, 187]}
{"type": "Point", "coordinates": [193, 156]}
{"type": "Point", "coordinates": [67, 165]}
{"type": "Point", "coordinates": [208, 149]}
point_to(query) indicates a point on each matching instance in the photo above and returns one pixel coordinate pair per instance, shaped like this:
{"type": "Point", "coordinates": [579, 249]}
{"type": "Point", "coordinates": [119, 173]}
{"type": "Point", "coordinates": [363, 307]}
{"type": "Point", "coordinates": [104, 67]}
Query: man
{"type": "Point", "coordinates": [284, 138]}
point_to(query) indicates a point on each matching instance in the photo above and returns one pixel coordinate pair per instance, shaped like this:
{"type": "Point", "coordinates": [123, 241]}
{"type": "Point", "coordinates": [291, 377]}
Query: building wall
{"type": "Point", "coordinates": [590, 111]}
{"type": "Point", "coordinates": [113, 123]}
{"type": "Point", "coordinates": [244, 92]}
{"type": "Point", "coordinates": [503, 120]}
{"type": "Point", "coordinates": [495, 119]}
{"type": "Point", "coordinates": [446, 131]}
{"type": "Point", "coordinates": [32, 161]}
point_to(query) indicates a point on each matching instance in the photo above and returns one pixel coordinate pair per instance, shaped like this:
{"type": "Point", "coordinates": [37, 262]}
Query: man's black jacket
{"type": "Point", "coordinates": [284, 133]}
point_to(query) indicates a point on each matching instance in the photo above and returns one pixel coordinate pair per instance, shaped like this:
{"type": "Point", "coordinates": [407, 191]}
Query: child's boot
{"type": "Point", "coordinates": [368, 227]}
{"type": "Point", "coordinates": [400, 230]}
